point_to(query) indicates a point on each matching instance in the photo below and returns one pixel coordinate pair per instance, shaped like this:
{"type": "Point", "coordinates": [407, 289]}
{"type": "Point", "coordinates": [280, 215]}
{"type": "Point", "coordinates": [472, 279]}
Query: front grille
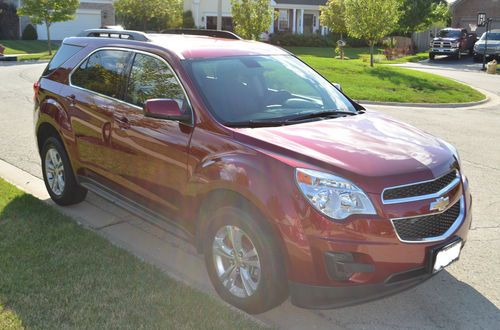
{"type": "Point", "coordinates": [441, 44]}
{"type": "Point", "coordinates": [426, 227]}
{"type": "Point", "coordinates": [420, 189]}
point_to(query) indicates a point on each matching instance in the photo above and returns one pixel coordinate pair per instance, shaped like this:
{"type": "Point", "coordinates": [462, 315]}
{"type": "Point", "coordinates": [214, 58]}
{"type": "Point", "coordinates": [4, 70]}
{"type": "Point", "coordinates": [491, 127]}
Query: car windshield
{"type": "Point", "coordinates": [449, 34]}
{"type": "Point", "coordinates": [491, 36]}
{"type": "Point", "coordinates": [265, 89]}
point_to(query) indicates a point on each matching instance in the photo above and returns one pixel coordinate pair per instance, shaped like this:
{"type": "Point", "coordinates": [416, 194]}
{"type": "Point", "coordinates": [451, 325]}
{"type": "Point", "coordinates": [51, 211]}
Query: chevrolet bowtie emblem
{"type": "Point", "coordinates": [440, 204]}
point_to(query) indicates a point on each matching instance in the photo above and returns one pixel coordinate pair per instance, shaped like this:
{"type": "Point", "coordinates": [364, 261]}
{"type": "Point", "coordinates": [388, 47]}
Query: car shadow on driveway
{"type": "Point", "coordinates": [447, 62]}
{"type": "Point", "coordinates": [441, 302]}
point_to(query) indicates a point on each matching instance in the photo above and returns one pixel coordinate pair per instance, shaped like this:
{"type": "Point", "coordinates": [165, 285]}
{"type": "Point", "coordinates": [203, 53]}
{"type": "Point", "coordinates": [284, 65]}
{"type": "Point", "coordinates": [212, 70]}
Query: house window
{"type": "Point", "coordinates": [283, 24]}
{"type": "Point", "coordinates": [227, 23]}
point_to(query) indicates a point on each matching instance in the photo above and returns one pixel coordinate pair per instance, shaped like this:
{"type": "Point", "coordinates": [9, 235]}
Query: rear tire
{"type": "Point", "coordinates": [58, 174]}
{"type": "Point", "coordinates": [255, 281]}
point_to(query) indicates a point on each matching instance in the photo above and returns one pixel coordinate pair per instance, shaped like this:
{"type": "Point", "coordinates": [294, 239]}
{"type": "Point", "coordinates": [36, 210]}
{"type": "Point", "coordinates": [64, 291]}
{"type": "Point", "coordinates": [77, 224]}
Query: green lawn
{"type": "Point", "coordinates": [55, 274]}
{"type": "Point", "coordinates": [383, 82]}
{"type": "Point", "coordinates": [26, 46]}
{"type": "Point", "coordinates": [33, 49]}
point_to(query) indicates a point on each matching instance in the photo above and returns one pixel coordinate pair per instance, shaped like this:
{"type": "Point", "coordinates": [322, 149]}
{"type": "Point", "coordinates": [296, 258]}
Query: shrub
{"type": "Point", "coordinates": [313, 40]}
{"type": "Point", "coordinates": [29, 33]}
{"type": "Point", "coordinates": [9, 21]}
{"type": "Point", "coordinates": [188, 20]}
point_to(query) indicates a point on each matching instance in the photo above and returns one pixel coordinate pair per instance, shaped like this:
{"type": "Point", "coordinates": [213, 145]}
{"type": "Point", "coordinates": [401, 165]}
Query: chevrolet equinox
{"type": "Point", "coordinates": [287, 186]}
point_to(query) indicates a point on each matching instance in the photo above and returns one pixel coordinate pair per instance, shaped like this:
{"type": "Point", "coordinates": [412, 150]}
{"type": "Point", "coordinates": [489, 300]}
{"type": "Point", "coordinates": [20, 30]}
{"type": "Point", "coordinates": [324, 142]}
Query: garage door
{"type": "Point", "coordinates": [84, 19]}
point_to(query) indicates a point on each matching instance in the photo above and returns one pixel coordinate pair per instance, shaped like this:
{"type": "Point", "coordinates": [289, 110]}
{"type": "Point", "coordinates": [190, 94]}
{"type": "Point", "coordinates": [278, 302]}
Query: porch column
{"type": "Point", "coordinates": [271, 28]}
{"type": "Point", "coordinates": [302, 21]}
{"type": "Point", "coordinates": [294, 21]}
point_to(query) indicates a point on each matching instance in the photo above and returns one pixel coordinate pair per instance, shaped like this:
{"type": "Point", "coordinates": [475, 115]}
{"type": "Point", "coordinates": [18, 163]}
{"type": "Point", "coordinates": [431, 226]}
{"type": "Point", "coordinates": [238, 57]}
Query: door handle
{"type": "Point", "coordinates": [122, 122]}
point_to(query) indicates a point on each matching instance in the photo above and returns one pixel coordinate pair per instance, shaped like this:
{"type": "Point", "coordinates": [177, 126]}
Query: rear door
{"type": "Point", "coordinates": [95, 87]}
{"type": "Point", "coordinates": [153, 152]}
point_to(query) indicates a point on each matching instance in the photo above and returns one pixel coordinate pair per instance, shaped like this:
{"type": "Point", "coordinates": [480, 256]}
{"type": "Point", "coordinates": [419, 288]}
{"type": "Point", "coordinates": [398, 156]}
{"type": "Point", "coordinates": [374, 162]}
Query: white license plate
{"type": "Point", "coordinates": [447, 255]}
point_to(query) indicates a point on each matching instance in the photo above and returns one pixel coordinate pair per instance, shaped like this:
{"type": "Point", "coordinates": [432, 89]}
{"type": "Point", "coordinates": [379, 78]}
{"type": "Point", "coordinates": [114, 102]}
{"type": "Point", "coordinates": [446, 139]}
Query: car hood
{"type": "Point", "coordinates": [491, 43]}
{"type": "Point", "coordinates": [371, 149]}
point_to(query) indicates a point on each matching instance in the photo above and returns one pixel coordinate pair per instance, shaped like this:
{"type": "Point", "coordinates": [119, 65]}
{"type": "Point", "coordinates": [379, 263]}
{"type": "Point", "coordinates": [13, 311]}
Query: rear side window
{"type": "Point", "coordinates": [104, 72]}
{"type": "Point", "coordinates": [63, 54]}
{"type": "Point", "coordinates": [151, 78]}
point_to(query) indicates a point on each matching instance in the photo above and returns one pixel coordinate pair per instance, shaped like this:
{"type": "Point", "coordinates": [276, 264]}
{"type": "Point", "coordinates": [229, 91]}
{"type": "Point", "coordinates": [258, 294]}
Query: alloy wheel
{"type": "Point", "coordinates": [54, 171]}
{"type": "Point", "coordinates": [236, 261]}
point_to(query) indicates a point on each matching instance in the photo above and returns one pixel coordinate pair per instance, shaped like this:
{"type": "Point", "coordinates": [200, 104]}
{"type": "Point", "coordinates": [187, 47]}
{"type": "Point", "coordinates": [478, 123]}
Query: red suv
{"type": "Point", "coordinates": [287, 186]}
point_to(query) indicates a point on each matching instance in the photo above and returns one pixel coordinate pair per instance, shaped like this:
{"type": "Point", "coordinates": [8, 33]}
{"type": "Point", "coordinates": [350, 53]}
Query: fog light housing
{"type": "Point", "coordinates": [341, 266]}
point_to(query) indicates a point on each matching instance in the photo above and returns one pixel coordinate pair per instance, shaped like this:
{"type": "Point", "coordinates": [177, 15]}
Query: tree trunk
{"type": "Point", "coordinates": [371, 53]}
{"type": "Point", "coordinates": [341, 47]}
{"type": "Point", "coordinates": [47, 24]}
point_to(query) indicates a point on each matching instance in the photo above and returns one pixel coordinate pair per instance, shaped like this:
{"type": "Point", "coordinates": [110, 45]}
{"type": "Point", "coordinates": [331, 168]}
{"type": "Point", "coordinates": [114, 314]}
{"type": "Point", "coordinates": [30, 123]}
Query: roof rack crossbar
{"type": "Point", "coordinates": [119, 34]}
{"type": "Point", "coordinates": [206, 32]}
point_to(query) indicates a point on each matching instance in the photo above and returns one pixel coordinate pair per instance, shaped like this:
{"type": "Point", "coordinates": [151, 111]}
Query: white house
{"type": "Point", "coordinates": [296, 16]}
{"type": "Point", "coordinates": [91, 14]}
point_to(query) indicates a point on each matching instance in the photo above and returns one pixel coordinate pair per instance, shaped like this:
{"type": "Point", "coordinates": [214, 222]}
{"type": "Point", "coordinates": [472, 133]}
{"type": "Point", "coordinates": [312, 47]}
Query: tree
{"type": "Point", "coordinates": [251, 17]}
{"type": "Point", "coordinates": [48, 12]}
{"type": "Point", "coordinates": [420, 15]}
{"type": "Point", "coordinates": [149, 14]}
{"type": "Point", "coordinates": [371, 20]}
{"type": "Point", "coordinates": [333, 17]}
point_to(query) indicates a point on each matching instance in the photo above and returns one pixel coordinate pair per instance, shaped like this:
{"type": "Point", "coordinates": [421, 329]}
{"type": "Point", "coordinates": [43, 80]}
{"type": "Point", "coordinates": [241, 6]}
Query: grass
{"type": "Point", "coordinates": [382, 82]}
{"type": "Point", "coordinates": [27, 46]}
{"type": "Point", "coordinates": [55, 274]}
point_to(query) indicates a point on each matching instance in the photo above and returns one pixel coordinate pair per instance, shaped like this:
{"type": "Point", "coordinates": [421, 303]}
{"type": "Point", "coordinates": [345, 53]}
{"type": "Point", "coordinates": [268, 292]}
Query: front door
{"type": "Point", "coordinates": [308, 23]}
{"type": "Point", "coordinates": [153, 151]}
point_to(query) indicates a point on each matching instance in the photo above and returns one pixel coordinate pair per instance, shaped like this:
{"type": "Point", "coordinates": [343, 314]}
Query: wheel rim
{"type": "Point", "coordinates": [54, 171]}
{"type": "Point", "coordinates": [236, 261]}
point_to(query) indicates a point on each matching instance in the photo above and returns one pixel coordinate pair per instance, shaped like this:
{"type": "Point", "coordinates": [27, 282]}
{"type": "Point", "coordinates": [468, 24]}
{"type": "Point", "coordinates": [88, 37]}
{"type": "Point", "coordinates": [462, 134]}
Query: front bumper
{"type": "Point", "coordinates": [324, 297]}
{"type": "Point", "coordinates": [444, 51]}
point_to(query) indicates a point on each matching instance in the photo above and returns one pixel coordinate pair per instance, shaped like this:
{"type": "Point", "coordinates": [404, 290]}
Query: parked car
{"type": "Point", "coordinates": [286, 185]}
{"type": "Point", "coordinates": [493, 49]}
{"type": "Point", "coordinates": [452, 42]}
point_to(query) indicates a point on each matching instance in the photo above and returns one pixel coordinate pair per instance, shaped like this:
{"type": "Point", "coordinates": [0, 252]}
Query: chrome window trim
{"type": "Point", "coordinates": [451, 230]}
{"type": "Point", "coordinates": [443, 191]}
{"type": "Point", "coordinates": [123, 101]}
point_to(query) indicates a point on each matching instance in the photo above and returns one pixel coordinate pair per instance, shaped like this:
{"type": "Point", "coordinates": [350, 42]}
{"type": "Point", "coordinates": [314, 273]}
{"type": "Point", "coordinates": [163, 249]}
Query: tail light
{"type": "Point", "coordinates": [36, 88]}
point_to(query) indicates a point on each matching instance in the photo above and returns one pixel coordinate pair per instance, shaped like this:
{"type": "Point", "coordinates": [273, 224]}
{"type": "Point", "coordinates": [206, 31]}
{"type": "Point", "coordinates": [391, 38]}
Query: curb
{"type": "Point", "coordinates": [429, 105]}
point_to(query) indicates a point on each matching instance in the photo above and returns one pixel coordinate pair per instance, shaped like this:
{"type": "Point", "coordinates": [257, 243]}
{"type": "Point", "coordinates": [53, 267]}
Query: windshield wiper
{"type": "Point", "coordinates": [292, 120]}
{"type": "Point", "coordinates": [322, 114]}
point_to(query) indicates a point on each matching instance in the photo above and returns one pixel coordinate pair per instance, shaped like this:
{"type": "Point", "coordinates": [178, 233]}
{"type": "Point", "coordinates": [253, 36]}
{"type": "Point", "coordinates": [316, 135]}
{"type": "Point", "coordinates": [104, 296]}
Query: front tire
{"type": "Point", "coordinates": [58, 174]}
{"type": "Point", "coordinates": [244, 261]}
{"type": "Point", "coordinates": [432, 56]}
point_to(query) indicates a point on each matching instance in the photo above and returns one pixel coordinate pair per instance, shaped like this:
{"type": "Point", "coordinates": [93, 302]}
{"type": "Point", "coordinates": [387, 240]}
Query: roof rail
{"type": "Point", "coordinates": [209, 33]}
{"type": "Point", "coordinates": [119, 34]}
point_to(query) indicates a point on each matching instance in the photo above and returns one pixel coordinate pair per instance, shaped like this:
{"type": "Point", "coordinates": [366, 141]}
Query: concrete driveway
{"type": "Point", "coordinates": [465, 296]}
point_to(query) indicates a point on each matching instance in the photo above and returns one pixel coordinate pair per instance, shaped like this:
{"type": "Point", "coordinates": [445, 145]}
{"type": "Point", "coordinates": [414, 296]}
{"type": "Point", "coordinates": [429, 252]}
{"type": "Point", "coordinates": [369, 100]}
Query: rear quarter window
{"type": "Point", "coordinates": [63, 54]}
{"type": "Point", "coordinates": [103, 72]}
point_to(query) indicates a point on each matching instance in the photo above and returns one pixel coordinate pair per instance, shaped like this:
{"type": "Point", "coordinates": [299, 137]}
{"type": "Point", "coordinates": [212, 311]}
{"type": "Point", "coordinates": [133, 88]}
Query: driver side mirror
{"type": "Point", "coordinates": [165, 109]}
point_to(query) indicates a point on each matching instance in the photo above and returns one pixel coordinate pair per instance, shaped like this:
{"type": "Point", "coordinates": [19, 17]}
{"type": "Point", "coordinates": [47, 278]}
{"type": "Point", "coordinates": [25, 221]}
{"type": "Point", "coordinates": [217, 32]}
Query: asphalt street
{"type": "Point", "coordinates": [465, 296]}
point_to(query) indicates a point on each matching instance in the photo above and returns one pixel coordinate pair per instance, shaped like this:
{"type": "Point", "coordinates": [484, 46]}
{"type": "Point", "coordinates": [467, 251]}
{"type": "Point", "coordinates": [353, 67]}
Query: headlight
{"type": "Point", "coordinates": [333, 196]}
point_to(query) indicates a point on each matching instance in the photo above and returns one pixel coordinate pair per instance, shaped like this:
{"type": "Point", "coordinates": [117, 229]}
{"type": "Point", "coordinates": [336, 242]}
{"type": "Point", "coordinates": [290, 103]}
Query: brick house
{"type": "Point", "coordinates": [296, 16]}
{"type": "Point", "coordinates": [90, 14]}
{"type": "Point", "coordinates": [464, 14]}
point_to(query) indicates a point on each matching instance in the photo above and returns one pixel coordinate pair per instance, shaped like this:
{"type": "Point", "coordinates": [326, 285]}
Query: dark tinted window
{"type": "Point", "coordinates": [63, 54]}
{"type": "Point", "coordinates": [449, 33]}
{"type": "Point", "coordinates": [151, 78]}
{"type": "Point", "coordinates": [103, 72]}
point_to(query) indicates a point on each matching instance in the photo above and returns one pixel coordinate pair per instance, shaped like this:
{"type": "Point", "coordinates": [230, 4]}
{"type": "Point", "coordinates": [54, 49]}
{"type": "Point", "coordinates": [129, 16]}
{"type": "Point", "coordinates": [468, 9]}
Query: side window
{"type": "Point", "coordinates": [151, 78]}
{"type": "Point", "coordinates": [63, 54]}
{"type": "Point", "coordinates": [103, 72]}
